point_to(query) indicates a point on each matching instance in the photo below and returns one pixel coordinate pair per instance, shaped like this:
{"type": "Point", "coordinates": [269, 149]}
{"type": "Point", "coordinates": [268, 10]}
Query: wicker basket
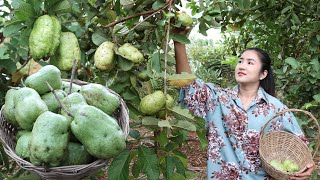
{"type": "Point", "coordinates": [281, 145]}
{"type": "Point", "coordinates": [8, 133]}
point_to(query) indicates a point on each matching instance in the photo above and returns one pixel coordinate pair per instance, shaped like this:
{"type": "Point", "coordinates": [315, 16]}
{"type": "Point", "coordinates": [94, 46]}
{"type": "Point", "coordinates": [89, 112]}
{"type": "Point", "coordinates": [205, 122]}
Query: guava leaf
{"type": "Point", "coordinates": [150, 121]}
{"type": "Point", "coordinates": [315, 65]}
{"type": "Point", "coordinates": [24, 12]}
{"type": "Point", "coordinates": [150, 162]}
{"type": "Point", "coordinates": [181, 113]}
{"type": "Point", "coordinates": [119, 168]}
{"type": "Point", "coordinates": [158, 4]}
{"type": "Point", "coordinates": [62, 7]}
{"type": "Point", "coordinates": [125, 64]}
{"type": "Point", "coordinates": [293, 62]}
{"type": "Point", "coordinates": [185, 125]}
{"type": "Point", "coordinates": [98, 37]}
{"type": "Point", "coordinates": [179, 165]}
{"type": "Point", "coordinates": [12, 29]}
{"type": "Point", "coordinates": [164, 123]}
{"type": "Point", "coordinates": [3, 53]}
{"type": "Point", "coordinates": [317, 97]}
{"type": "Point", "coordinates": [169, 167]}
{"type": "Point", "coordinates": [181, 38]}
{"type": "Point", "coordinates": [155, 62]}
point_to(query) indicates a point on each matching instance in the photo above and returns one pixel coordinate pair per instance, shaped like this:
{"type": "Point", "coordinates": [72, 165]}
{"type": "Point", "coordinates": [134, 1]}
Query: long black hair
{"type": "Point", "coordinates": [268, 82]}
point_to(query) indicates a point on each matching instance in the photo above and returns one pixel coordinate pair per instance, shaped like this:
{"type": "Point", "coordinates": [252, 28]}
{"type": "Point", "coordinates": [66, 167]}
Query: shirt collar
{"type": "Point", "coordinates": [262, 95]}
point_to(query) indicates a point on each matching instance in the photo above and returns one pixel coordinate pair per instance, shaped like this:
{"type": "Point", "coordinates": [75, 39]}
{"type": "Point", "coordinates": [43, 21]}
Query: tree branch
{"type": "Point", "coordinates": [139, 14]}
{"type": "Point", "coordinates": [57, 98]}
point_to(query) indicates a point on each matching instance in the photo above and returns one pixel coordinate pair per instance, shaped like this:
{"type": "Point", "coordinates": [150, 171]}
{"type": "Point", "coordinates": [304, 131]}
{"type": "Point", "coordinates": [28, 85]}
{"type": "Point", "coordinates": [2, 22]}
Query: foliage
{"type": "Point", "coordinates": [288, 29]}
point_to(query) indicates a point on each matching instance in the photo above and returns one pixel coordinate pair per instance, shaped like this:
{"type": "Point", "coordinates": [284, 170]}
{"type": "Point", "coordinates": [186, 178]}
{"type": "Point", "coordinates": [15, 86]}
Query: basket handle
{"type": "Point", "coordinates": [295, 110]}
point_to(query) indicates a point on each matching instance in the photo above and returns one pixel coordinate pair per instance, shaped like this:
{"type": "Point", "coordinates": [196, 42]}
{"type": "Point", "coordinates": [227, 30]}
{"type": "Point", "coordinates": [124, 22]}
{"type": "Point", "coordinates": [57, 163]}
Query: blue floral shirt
{"type": "Point", "coordinates": [233, 132]}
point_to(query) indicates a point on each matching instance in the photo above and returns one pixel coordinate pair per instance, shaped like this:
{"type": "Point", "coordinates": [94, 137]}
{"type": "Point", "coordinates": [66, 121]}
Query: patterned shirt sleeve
{"type": "Point", "coordinates": [287, 122]}
{"type": "Point", "coordinates": [199, 98]}
{"type": "Point", "coordinates": [290, 124]}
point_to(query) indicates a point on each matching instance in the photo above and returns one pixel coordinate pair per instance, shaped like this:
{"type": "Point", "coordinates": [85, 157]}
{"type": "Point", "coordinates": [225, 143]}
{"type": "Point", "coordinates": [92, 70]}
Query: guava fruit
{"type": "Point", "coordinates": [22, 147]}
{"type": "Point", "coordinates": [290, 166]}
{"type": "Point", "coordinates": [104, 56]}
{"type": "Point", "coordinates": [98, 96]}
{"type": "Point", "coordinates": [28, 107]}
{"type": "Point", "coordinates": [9, 108]}
{"type": "Point", "coordinates": [51, 101]}
{"type": "Point", "coordinates": [184, 18]}
{"type": "Point", "coordinates": [152, 103]}
{"type": "Point", "coordinates": [130, 52]}
{"type": "Point", "coordinates": [72, 103]}
{"type": "Point", "coordinates": [76, 155]}
{"type": "Point", "coordinates": [67, 51]}
{"type": "Point", "coordinates": [55, 35]}
{"type": "Point", "coordinates": [49, 139]}
{"type": "Point", "coordinates": [98, 132]}
{"type": "Point", "coordinates": [169, 101]}
{"type": "Point", "coordinates": [66, 86]}
{"type": "Point", "coordinates": [50, 74]}
{"type": "Point", "coordinates": [44, 37]}
{"type": "Point", "coordinates": [143, 75]}
{"type": "Point", "coordinates": [277, 165]}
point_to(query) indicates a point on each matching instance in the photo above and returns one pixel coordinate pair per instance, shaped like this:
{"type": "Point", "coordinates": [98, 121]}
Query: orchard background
{"type": "Point", "coordinates": [288, 29]}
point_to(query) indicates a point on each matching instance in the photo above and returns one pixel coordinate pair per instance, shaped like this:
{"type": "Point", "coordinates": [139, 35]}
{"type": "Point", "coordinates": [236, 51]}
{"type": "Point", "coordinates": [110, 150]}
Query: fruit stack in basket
{"type": "Point", "coordinates": [80, 132]}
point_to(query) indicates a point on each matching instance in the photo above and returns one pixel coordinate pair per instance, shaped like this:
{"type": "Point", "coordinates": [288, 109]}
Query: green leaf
{"type": "Point", "coordinates": [164, 123]}
{"type": "Point", "coordinates": [119, 168]}
{"type": "Point", "coordinates": [296, 19]}
{"type": "Point", "coordinates": [307, 106]}
{"type": "Point", "coordinates": [150, 162]}
{"type": "Point", "coordinates": [3, 51]}
{"type": "Point", "coordinates": [181, 113]}
{"type": "Point", "coordinates": [9, 65]}
{"type": "Point", "coordinates": [246, 4]}
{"type": "Point", "coordinates": [293, 62]}
{"type": "Point", "coordinates": [134, 134]}
{"type": "Point", "coordinates": [317, 97]}
{"type": "Point", "coordinates": [179, 165]}
{"type": "Point", "coordinates": [155, 62]}
{"type": "Point", "coordinates": [24, 12]}
{"type": "Point", "coordinates": [12, 29]}
{"type": "Point", "coordinates": [98, 37]}
{"type": "Point", "coordinates": [284, 10]}
{"type": "Point", "coordinates": [23, 53]}
{"type": "Point", "coordinates": [125, 64]}
{"type": "Point", "coordinates": [136, 169]}
{"type": "Point", "coordinates": [185, 125]}
{"type": "Point", "coordinates": [181, 38]}
{"type": "Point", "coordinates": [62, 7]}
{"type": "Point", "coordinates": [163, 139]}
{"type": "Point", "coordinates": [169, 167]}
{"type": "Point", "coordinates": [315, 65]}
{"type": "Point", "coordinates": [127, 2]}
{"type": "Point", "coordinates": [169, 15]}
{"type": "Point", "coordinates": [150, 121]}
{"type": "Point", "coordinates": [4, 156]}
{"type": "Point", "coordinates": [158, 4]}
{"type": "Point", "coordinates": [16, 4]}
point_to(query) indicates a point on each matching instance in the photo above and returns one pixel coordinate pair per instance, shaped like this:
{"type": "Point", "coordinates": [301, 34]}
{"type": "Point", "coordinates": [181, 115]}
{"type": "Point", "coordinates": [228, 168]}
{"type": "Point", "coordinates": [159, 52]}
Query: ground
{"type": "Point", "coordinates": [197, 157]}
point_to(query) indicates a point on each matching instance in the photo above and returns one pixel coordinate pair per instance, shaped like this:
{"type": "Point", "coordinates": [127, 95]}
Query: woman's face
{"type": "Point", "coordinates": [248, 69]}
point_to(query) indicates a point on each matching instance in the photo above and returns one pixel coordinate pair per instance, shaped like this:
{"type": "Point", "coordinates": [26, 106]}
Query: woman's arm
{"type": "Point", "coordinates": [182, 63]}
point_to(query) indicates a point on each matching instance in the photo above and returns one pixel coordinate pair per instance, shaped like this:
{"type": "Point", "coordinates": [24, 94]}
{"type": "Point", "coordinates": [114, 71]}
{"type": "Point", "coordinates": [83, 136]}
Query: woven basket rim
{"type": "Point", "coordinates": [71, 171]}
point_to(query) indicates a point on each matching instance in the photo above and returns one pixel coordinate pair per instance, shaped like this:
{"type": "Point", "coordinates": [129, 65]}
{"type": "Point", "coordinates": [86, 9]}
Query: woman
{"type": "Point", "coordinates": [234, 117]}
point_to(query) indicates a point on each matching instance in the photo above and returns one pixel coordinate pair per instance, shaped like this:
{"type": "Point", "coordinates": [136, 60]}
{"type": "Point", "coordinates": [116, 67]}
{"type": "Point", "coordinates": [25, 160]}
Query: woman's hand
{"type": "Point", "coordinates": [305, 174]}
